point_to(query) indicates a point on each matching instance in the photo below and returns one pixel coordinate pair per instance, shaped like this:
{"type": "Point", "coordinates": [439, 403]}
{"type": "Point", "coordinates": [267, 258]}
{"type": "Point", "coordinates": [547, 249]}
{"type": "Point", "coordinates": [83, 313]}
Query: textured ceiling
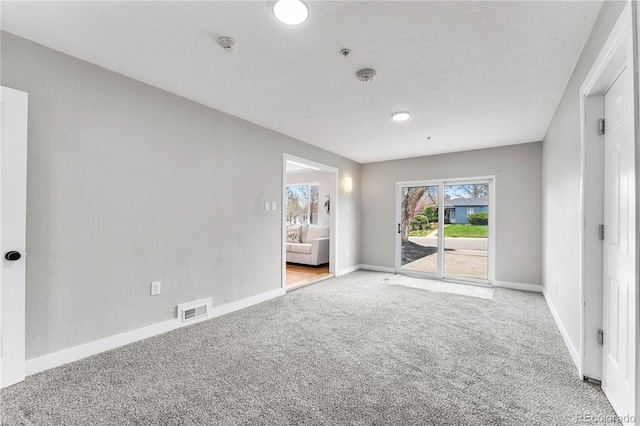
{"type": "Point", "coordinates": [473, 74]}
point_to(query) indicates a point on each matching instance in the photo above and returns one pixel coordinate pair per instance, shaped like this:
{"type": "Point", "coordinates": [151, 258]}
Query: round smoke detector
{"type": "Point", "coordinates": [228, 44]}
{"type": "Point", "coordinates": [366, 75]}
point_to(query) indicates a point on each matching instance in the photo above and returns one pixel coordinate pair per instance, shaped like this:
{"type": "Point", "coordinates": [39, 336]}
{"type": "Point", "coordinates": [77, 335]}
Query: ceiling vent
{"type": "Point", "coordinates": [228, 44]}
{"type": "Point", "coordinates": [366, 75]}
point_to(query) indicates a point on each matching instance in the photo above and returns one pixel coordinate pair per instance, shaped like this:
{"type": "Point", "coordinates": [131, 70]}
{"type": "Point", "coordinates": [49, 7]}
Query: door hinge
{"type": "Point", "coordinates": [601, 232]}
{"type": "Point", "coordinates": [601, 126]}
{"type": "Point", "coordinates": [600, 337]}
{"type": "Point", "coordinates": [589, 379]}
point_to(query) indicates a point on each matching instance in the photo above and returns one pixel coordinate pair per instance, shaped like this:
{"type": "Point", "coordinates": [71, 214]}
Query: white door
{"type": "Point", "coordinates": [13, 178]}
{"type": "Point", "coordinates": [618, 380]}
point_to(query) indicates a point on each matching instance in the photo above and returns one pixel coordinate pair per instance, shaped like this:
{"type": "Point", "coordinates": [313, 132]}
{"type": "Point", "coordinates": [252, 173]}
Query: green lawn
{"type": "Point", "coordinates": [423, 232]}
{"type": "Point", "coordinates": [453, 231]}
{"type": "Point", "coordinates": [467, 231]}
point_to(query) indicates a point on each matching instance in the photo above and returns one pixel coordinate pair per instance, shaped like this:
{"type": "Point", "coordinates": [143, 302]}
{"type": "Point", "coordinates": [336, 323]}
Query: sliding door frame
{"type": "Point", "coordinates": [441, 183]}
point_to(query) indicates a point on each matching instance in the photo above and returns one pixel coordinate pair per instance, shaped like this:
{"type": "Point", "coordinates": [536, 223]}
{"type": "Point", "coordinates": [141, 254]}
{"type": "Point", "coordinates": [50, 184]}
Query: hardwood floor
{"type": "Point", "coordinates": [301, 275]}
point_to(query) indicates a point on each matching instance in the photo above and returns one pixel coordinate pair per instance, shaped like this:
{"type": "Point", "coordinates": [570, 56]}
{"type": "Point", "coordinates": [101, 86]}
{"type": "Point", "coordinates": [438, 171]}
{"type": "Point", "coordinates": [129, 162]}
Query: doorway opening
{"type": "Point", "coordinates": [302, 275]}
{"type": "Point", "coordinates": [309, 222]}
{"type": "Point", "coordinates": [445, 229]}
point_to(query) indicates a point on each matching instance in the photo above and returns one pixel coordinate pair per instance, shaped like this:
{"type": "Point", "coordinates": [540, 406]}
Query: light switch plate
{"type": "Point", "coordinates": [273, 206]}
{"type": "Point", "coordinates": [266, 205]}
{"type": "Point", "coordinates": [155, 288]}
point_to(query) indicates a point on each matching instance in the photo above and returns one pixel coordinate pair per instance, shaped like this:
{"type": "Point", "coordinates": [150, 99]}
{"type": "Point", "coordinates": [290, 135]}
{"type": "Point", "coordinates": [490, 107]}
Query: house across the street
{"type": "Point", "coordinates": [459, 209]}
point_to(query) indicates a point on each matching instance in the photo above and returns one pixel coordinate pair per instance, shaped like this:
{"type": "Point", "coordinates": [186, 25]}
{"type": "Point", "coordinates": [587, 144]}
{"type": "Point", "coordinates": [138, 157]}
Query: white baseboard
{"type": "Point", "coordinates": [56, 359]}
{"type": "Point", "coordinates": [348, 270]}
{"type": "Point", "coordinates": [573, 352]}
{"type": "Point", "coordinates": [217, 311]}
{"type": "Point", "coordinates": [378, 268]}
{"type": "Point", "coordinates": [518, 286]}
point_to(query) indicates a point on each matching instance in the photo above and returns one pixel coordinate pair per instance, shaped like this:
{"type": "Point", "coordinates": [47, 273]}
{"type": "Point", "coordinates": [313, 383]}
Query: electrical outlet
{"type": "Point", "coordinates": [155, 288]}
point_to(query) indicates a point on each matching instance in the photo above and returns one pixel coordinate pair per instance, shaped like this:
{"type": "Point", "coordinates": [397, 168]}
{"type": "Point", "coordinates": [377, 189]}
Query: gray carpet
{"type": "Point", "coordinates": [349, 350]}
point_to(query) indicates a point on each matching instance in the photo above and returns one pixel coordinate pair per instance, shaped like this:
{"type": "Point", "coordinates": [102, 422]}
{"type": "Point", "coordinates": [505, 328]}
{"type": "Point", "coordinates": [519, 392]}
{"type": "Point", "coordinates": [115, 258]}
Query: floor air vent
{"type": "Point", "coordinates": [194, 310]}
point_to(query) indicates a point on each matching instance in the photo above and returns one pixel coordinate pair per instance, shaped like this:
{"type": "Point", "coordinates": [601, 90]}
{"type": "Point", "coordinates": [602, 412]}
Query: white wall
{"type": "Point", "coordinates": [128, 184]}
{"type": "Point", "coordinates": [518, 204]}
{"type": "Point", "coordinates": [324, 181]}
{"type": "Point", "coordinates": [561, 188]}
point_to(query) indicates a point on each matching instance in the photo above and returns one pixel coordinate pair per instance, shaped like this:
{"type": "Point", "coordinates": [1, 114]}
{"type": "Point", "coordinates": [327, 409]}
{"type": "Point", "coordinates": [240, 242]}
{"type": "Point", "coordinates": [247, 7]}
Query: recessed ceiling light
{"type": "Point", "coordinates": [291, 12]}
{"type": "Point", "coordinates": [400, 116]}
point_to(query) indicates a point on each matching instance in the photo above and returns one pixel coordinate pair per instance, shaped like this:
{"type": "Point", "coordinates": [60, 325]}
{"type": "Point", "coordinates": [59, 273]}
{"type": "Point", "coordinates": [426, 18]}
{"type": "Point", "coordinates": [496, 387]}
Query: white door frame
{"type": "Point", "coordinates": [333, 216]}
{"type": "Point", "coordinates": [616, 54]}
{"type": "Point", "coordinates": [491, 262]}
{"type": "Point", "coordinates": [13, 179]}
{"type": "Point", "coordinates": [635, 10]}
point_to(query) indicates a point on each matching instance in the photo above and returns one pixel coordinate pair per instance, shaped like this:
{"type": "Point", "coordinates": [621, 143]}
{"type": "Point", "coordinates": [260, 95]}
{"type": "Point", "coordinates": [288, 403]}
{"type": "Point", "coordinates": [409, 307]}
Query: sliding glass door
{"type": "Point", "coordinates": [466, 236]}
{"type": "Point", "coordinates": [444, 229]}
{"type": "Point", "coordinates": [418, 228]}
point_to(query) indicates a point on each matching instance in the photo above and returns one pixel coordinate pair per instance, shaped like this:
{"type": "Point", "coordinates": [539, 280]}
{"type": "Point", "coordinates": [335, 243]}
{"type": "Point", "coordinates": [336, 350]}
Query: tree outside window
{"type": "Point", "coordinates": [302, 204]}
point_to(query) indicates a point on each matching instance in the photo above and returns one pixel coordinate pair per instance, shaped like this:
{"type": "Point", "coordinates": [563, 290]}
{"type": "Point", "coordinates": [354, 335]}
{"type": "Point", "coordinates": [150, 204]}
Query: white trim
{"type": "Point", "coordinates": [377, 268]}
{"type": "Point", "coordinates": [536, 288]}
{"type": "Point", "coordinates": [433, 182]}
{"type": "Point", "coordinates": [55, 359]}
{"type": "Point", "coordinates": [623, 419]}
{"type": "Point", "coordinates": [493, 215]}
{"type": "Point", "coordinates": [635, 27]}
{"type": "Point", "coordinates": [617, 54]}
{"type": "Point", "coordinates": [65, 356]}
{"type": "Point", "coordinates": [348, 270]}
{"type": "Point", "coordinates": [519, 286]}
{"type": "Point", "coordinates": [573, 352]}
{"type": "Point", "coordinates": [597, 81]}
{"type": "Point", "coordinates": [14, 108]}
{"type": "Point", "coordinates": [217, 311]}
{"type": "Point", "coordinates": [306, 162]}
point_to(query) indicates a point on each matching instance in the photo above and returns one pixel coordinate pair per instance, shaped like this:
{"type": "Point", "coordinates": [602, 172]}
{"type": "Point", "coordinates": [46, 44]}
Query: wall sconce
{"type": "Point", "coordinates": [348, 184]}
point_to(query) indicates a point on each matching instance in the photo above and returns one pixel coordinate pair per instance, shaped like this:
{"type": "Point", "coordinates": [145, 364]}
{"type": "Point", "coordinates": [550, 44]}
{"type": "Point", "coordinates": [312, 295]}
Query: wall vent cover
{"type": "Point", "coordinates": [194, 310]}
